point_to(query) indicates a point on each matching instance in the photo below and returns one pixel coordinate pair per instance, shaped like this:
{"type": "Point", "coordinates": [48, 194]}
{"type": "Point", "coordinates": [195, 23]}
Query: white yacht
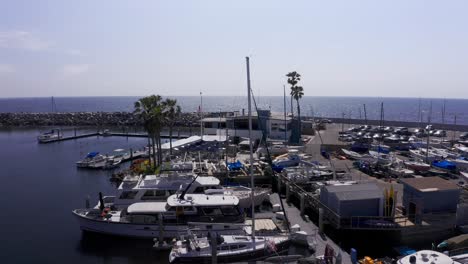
{"type": "Point", "coordinates": [166, 219]}
{"type": "Point", "coordinates": [92, 160]}
{"type": "Point", "coordinates": [230, 248]}
{"type": "Point", "coordinates": [152, 188]}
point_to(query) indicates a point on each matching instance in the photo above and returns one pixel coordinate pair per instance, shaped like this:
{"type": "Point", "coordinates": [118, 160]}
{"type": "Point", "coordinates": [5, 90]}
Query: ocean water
{"type": "Point", "coordinates": [41, 186]}
{"type": "Point", "coordinates": [399, 109]}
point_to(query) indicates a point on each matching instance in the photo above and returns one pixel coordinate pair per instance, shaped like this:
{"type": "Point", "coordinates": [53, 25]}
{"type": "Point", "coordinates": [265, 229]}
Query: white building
{"type": "Point", "coordinates": [275, 126]}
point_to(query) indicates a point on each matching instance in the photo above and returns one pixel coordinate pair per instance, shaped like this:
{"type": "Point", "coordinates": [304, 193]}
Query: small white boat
{"type": "Point", "coordinates": [287, 160]}
{"type": "Point", "coordinates": [417, 166]}
{"type": "Point", "coordinates": [381, 158]}
{"type": "Point", "coordinates": [427, 256]}
{"type": "Point", "coordinates": [230, 248]}
{"type": "Point", "coordinates": [401, 172]}
{"type": "Point", "coordinates": [92, 160]}
{"type": "Point", "coordinates": [461, 164]}
{"type": "Point", "coordinates": [50, 136]}
{"type": "Point", "coordinates": [273, 150]}
{"type": "Point", "coordinates": [105, 133]}
{"type": "Point", "coordinates": [464, 174]}
{"type": "Point", "coordinates": [356, 156]}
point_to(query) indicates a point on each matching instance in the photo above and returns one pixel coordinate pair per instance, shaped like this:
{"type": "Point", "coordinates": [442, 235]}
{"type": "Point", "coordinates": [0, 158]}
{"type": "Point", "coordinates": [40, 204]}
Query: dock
{"type": "Point", "coordinates": [112, 134]}
{"type": "Point", "coordinates": [321, 239]}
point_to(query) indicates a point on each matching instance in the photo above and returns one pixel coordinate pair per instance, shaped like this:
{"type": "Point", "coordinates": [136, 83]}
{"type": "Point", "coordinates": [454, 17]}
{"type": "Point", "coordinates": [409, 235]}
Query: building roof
{"type": "Point", "coordinates": [356, 191]}
{"type": "Point", "coordinates": [430, 184]}
{"type": "Point", "coordinates": [202, 200]}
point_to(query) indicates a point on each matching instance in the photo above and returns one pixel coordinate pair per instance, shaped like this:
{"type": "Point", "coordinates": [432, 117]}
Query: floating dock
{"type": "Point", "coordinates": [139, 135]}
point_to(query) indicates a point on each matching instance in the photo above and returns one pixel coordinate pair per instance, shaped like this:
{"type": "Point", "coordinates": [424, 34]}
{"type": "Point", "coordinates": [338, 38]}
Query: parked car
{"type": "Point", "coordinates": [464, 136]}
{"type": "Point", "coordinates": [419, 132]}
{"type": "Point", "coordinates": [440, 133]}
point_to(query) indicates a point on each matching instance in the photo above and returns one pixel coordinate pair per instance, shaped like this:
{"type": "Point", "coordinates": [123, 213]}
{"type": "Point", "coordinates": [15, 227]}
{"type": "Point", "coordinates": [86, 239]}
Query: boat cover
{"type": "Point", "coordinates": [234, 166]}
{"type": "Point", "coordinates": [444, 164]}
{"type": "Point", "coordinates": [92, 154]}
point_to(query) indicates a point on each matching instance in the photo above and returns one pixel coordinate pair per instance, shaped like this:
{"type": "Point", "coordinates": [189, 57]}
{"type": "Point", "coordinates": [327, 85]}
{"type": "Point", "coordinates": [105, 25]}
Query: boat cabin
{"type": "Point", "coordinates": [193, 208]}
{"type": "Point", "coordinates": [152, 188]}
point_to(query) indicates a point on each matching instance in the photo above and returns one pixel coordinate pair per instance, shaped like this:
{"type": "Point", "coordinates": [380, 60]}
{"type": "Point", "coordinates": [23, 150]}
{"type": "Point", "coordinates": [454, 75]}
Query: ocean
{"type": "Point", "coordinates": [397, 109]}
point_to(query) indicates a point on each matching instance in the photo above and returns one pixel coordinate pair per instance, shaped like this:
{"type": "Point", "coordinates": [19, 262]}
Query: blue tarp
{"type": "Point", "coordinates": [444, 165]}
{"type": "Point", "coordinates": [92, 154]}
{"type": "Point", "coordinates": [277, 168]}
{"type": "Point", "coordinates": [233, 166]}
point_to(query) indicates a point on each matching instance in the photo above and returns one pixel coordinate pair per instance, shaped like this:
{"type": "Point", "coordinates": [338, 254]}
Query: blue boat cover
{"type": "Point", "coordinates": [92, 154]}
{"type": "Point", "coordinates": [444, 164]}
{"type": "Point", "coordinates": [233, 166]}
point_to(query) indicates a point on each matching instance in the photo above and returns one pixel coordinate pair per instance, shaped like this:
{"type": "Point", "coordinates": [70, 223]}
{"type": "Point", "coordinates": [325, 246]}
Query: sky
{"type": "Point", "coordinates": [398, 48]}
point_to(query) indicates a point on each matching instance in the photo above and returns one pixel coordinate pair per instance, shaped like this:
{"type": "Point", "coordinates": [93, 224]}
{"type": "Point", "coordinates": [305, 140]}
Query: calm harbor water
{"type": "Point", "coordinates": [398, 109]}
{"type": "Point", "coordinates": [40, 187]}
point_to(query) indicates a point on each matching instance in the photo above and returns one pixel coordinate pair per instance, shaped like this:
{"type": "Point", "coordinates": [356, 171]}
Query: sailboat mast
{"type": "Point", "coordinates": [285, 122]}
{"type": "Point", "coordinates": [365, 113]}
{"type": "Point", "coordinates": [201, 116]}
{"type": "Point", "coordinates": [252, 182]}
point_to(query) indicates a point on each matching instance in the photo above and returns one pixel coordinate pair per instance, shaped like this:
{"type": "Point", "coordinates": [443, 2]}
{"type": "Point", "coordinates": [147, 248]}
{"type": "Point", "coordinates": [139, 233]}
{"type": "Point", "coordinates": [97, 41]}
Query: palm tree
{"type": "Point", "coordinates": [149, 109]}
{"type": "Point", "coordinates": [172, 111]}
{"type": "Point", "coordinates": [296, 91]}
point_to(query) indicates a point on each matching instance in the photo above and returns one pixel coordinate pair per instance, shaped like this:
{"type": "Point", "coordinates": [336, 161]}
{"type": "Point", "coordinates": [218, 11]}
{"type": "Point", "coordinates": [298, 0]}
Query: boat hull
{"type": "Point", "coordinates": [148, 231]}
{"type": "Point", "coordinates": [259, 254]}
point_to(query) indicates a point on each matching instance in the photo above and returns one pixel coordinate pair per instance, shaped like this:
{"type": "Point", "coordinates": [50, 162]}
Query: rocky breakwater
{"type": "Point", "coordinates": [84, 119]}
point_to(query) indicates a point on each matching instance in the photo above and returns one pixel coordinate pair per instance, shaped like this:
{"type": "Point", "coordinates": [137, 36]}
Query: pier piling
{"type": "Point", "coordinates": [302, 204]}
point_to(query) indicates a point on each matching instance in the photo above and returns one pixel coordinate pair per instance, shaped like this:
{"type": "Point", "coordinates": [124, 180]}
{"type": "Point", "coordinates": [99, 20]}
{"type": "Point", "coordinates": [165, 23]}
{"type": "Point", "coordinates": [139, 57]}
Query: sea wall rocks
{"type": "Point", "coordinates": [84, 119]}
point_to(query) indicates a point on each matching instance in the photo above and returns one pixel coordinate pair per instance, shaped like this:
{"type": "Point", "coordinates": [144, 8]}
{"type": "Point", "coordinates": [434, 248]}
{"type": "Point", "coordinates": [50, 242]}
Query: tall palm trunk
{"type": "Point", "coordinates": [292, 105]}
{"type": "Point", "coordinates": [154, 152]}
{"type": "Point", "coordinates": [299, 116]}
{"type": "Point", "coordinates": [149, 149]}
{"type": "Point", "coordinates": [159, 149]}
{"type": "Point", "coordinates": [170, 139]}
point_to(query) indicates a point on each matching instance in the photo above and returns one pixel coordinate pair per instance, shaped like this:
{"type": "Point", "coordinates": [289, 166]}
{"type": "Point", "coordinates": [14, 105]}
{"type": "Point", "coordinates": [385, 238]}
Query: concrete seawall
{"type": "Point", "coordinates": [84, 119]}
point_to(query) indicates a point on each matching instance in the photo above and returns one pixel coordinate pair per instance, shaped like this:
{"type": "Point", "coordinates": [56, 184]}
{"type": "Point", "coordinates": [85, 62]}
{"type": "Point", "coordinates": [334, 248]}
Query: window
{"type": "Point", "coordinates": [128, 195]}
{"type": "Point", "coordinates": [199, 190]}
{"type": "Point", "coordinates": [154, 195]}
{"type": "Point", "coordinates": [212, 211]}
{"type": "Point", "coordinates": [229, 211]}
{"type": "Point", "coordinates": [234, 247]}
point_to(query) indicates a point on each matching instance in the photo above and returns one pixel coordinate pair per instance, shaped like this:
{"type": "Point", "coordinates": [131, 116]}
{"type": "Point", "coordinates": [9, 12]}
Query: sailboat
{"type": "Point", "coordinates": [51, 135]}
{"type": "Point", "coordinates": [231, 248]}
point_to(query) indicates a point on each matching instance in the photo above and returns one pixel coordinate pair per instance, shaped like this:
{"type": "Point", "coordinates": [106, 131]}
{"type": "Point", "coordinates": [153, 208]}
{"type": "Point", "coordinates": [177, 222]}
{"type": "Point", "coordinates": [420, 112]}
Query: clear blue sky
{"type": "Point", "coordinates": [342, 48]}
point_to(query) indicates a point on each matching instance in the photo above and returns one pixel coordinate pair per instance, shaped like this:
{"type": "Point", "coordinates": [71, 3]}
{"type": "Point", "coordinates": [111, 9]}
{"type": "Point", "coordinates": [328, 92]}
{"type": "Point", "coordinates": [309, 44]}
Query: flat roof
{"type": "Point", "coordinates": [149, 207]}
{"type": "Point", "coordinates": [202, 200]}
{"type": "Point", "coordinates": [355, 191]}
{"type": "Point", "coordinates": [430, 184]}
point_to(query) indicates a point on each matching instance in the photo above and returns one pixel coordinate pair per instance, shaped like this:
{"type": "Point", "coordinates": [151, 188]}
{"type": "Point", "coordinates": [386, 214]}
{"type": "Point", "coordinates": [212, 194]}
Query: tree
{"type": "Point", "coordinates": [150, 110]}
{"type": "Point", "coordinates": [172, 112]}
{"type": "Point", "coordinates": [296, 91]}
